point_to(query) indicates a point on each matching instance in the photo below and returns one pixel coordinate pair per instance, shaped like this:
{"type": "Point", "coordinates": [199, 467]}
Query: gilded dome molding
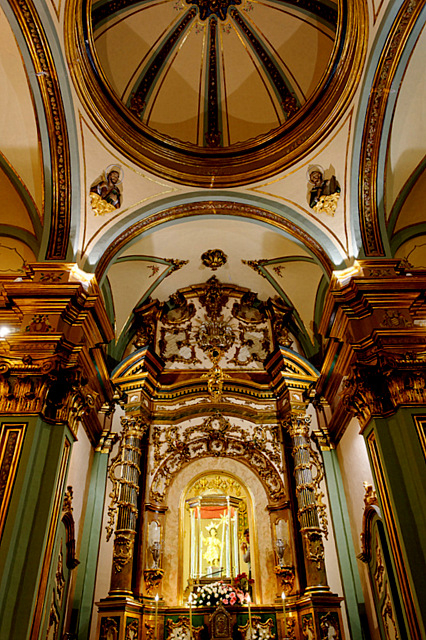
{"type": "Point", "coordinates": [237, 164]}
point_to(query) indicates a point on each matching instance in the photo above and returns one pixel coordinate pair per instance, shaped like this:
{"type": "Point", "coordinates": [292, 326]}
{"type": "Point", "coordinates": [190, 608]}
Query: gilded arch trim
{"type": "Point", "coordinates": [374, 126]}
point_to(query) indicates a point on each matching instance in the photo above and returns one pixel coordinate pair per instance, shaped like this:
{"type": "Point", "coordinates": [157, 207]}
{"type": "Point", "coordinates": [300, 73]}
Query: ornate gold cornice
{"type": "Point", "coordinates": [47, 78]}
{"type": "Point", "coordinates": [374, 124]}
{"type": "Point", "coordinates": [374, 320]}
{"type": "Point", "coordinates": [52, 361]}
{"type": "Point", "coordinates": [241, 163]}
{"type": "Point", "coordinates": [379, 388]}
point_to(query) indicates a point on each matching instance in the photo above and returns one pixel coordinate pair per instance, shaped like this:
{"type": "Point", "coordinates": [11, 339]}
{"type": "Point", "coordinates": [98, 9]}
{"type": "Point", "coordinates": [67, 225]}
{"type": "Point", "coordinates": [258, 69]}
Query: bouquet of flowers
{"type": "Point", "coordinates": [242, 581]}
{"type": "Point", "coordinates": [211, 594]}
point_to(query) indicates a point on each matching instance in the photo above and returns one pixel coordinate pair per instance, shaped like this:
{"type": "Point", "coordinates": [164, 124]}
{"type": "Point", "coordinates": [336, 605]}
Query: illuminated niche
{"type": "Point", "coordinates": [215, 517]}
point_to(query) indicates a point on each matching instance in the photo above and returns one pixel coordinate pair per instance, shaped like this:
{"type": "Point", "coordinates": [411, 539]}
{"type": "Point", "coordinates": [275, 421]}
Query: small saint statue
{"type": "Point", "coordinates": [324, 193]}
{"type": "Point", "coordinates": [214, 546]}
{"type": "Point", "coordinates": [106, 191]}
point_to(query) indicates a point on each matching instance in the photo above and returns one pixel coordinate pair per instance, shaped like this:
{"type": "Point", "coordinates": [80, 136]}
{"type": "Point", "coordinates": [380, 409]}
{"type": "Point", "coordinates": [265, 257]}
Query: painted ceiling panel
{"type": "Point", "coordinates": [407, 142]}
{"type": "Point", "coordinates": [20, 143]}
{"type": "Point", "coordinates": [413, 209]}
{"type": "Point", "coordinates": [292, 36]}
{"type": "Point", "coordinates": [414, 250]}
{"type": "Point", "coordinates": [196, 237]}
{"type": "Point", "coordinates": [124, 44]}
{"type": "Point", "coordinates": [181, 77]}
{"type": "Point", "coordinates": [129, 281]}
{"type": "Point", "coordinates": [14, 254]}
{"type": "Point", "coordinates": [250, 102]}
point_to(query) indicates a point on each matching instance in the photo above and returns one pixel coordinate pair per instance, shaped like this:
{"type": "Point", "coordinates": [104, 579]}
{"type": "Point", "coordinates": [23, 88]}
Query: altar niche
{"type": "Point", "coordinates": [214, 548]}
{"type": "Point", "coordinates": [215, 529]}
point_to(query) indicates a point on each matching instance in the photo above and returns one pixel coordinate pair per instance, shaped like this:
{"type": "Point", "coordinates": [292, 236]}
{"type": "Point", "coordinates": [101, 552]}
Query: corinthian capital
{"type": "Point", "coordinates": [134, 426]}
{"type": "Point", "coordinates": [297, 424]}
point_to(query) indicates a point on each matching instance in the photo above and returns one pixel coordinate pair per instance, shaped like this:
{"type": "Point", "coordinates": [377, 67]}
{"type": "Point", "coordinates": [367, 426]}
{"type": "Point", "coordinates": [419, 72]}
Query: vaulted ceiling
{"type": "Point", "coordinates": [214, 114]}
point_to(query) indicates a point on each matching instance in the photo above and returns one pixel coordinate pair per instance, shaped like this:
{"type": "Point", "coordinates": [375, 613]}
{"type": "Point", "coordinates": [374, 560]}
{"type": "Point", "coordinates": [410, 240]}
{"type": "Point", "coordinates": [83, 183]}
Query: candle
{"type": "Point", "coordinates": [156, 616]}
{"type": "Point", "coordinates": [285, 619]}
{"type": "Point", "coordinates": [249, 613]}
{"type": "Point", "coordinates": [190, 615]}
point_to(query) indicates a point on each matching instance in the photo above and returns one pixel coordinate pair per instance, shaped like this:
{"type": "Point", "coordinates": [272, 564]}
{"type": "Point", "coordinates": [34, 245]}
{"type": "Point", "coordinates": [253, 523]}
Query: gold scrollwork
{"type": "Point", "coordinates": [213, 437]}
{"type": "Point", "coordinates": [123, 551]}
{"type": "Point", "coordinates": [132, 629]}
{"type": "Point", "coordinates": [286, 577]}
{"type": "Point", "coordinates": [329, 625]}
{"type": "Point", "coordinates": [215, 377]}
{"type": "Point", "coordinates": [180, 628]}
{"type": "Point", "coordinates": [152, 578]}
{"type": "Point", "coordinates": [214, 258]}
{"type": "Point", "coordinates": [315, 547]}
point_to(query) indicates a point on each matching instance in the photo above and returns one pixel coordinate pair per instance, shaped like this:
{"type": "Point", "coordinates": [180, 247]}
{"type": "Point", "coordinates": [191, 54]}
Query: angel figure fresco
{"type": "Point", "coordinates": [106, 192]}
{"type": "Point", "coordinates": [324, 192]}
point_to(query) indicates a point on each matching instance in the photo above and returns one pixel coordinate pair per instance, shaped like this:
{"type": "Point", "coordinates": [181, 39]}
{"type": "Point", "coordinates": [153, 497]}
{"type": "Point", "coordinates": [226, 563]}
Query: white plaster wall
{"type": "Point", "coordinates": [355, 469]}
{"type": "Point", "coordinates": [261, 539]}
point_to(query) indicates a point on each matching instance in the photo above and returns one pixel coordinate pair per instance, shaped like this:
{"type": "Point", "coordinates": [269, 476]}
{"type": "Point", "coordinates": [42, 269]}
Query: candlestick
{"type": "Point", "coordinates": [285, 619]}
{"type": "Point", "coordinates": [156, 616]}
{"type": "Point", "coordinates": [249, 613]}
{"type": "Point", "coordinates": [190, 615]}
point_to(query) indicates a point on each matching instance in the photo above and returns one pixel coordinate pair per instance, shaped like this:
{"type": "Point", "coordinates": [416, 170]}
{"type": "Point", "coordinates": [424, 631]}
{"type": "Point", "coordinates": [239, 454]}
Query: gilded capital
{"type": "Point", "coordinates": [297, 424]}
{"type": "Point", "coordinates": [134, 426]}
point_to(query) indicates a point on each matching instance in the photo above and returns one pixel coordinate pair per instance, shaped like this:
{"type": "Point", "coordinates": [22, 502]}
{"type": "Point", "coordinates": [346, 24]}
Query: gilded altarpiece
{"type": "Point", "coordinates": [216, 378]}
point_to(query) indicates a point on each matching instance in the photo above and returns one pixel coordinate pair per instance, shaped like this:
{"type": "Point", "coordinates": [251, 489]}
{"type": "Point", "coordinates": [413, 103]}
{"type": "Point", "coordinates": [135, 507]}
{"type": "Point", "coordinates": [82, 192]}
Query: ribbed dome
{"type": "Point", "coordinates": [213, 73]}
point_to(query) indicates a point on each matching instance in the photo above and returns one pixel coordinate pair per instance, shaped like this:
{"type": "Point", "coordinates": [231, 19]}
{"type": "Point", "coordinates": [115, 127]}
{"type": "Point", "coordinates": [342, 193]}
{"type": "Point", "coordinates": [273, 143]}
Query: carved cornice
{"type": "Point", "coordinates": [45, 72]}
{"type": "Point", "coordinates": [373, 321]}
{"type": "Point", "coordinates": [53, 361]}
{"type": "Point", "coordinates": [379, 388]}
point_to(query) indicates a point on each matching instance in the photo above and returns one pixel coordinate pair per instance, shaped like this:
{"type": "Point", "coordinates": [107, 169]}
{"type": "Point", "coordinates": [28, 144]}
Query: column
{"type": "Point", "coordinates": [82, 606]}
{"type": "Point", "coordinates": [53, 377]}
{"type": "Point", "coordinates": [354, 598]}
{"type": "Point", "coordinates": [313, 548]}
{"type": "Point", "coordinates": [126, 489]}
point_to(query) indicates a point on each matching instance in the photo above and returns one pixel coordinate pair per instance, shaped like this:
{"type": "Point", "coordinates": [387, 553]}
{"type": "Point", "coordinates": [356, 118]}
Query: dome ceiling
{"type": "Point", "coordinates": [215, 93]}
{"type": "Point", "coordinates": [214, 73]}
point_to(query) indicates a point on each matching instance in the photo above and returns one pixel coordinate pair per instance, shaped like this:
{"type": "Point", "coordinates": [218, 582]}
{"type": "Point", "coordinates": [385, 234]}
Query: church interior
{"type": "Point", "coordinates": [213, 320]}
